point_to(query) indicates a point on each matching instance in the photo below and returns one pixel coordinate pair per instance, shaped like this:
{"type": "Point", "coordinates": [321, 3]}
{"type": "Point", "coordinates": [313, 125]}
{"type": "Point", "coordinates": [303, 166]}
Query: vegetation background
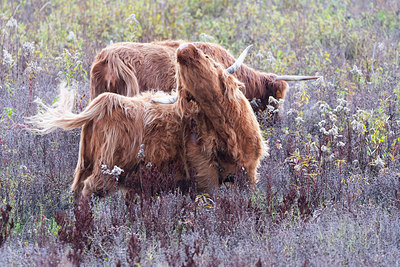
{"type": "Point", "coordinates": [329, 190]}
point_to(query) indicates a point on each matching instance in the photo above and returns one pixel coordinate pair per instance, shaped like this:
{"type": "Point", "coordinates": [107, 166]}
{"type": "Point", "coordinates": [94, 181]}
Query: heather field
{"type": "Point", "coordinates": [329, 189]}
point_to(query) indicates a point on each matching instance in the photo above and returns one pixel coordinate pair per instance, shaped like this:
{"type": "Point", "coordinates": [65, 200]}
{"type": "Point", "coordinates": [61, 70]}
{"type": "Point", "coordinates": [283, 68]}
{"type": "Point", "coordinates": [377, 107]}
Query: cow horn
{"type": "Point", "coordinates": [289, 78]}
{"type": "Point", "coordinates": [165, 100]}
{"type": "Point", "coordinates": [232, 69]}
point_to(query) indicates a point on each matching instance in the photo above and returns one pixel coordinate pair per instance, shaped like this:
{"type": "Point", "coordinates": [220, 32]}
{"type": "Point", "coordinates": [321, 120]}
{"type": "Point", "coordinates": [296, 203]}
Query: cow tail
{"type": "Point", "coordinates": [127, 75]}
{"type": "Point", "coordinates": [60, 115]}
{"type": "Point", "coordinates": [110, 73]}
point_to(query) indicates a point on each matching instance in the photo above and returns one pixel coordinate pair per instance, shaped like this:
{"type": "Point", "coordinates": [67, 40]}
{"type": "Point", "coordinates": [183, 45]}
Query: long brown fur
{"type": "Point", "coordinates": [211, 128]}
{"type": "Point", "coordinates": [123, 68]}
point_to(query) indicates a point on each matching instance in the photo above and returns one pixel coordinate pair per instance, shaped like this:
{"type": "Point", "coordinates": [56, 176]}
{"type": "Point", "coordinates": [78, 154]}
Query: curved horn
{"type": "Point", "coordinates": [232, 69]}
{"type": "Point", "coordinates": [165, 100]}
{"type": "Point", "coordinates": [289, 78]}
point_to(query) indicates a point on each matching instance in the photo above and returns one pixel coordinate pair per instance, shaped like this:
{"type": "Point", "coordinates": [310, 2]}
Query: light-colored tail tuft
{"type": "Point", "coordinates": [58, 115]}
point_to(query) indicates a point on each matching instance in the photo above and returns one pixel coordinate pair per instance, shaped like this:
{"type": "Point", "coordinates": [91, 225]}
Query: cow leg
{"type": "Point", "coordinates": [252, 173]}
{"type": "Point", "coordinates": [84, 166]}
{"type": "Point", "coordinates": [78, 183]}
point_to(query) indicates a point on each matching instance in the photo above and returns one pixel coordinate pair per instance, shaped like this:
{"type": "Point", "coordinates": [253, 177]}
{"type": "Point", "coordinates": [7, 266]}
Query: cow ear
{"type": "Point", "coordinates": [231, 86]}
{"type": "Point", "coordinates": [278, 94]}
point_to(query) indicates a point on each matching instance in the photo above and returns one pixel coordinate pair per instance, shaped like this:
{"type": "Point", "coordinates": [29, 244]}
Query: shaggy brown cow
{"type": "Point", "coordinates": [211, 127]}
{"type": "Point", "coordinates": [127, 68]}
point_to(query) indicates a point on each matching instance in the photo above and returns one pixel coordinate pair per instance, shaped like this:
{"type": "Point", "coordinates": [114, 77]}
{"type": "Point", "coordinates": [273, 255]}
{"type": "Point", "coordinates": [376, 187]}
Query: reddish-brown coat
{"type": "Point", "coordinates": [210, 130]}
{"type": "Point", "coordinates": [129, 68]}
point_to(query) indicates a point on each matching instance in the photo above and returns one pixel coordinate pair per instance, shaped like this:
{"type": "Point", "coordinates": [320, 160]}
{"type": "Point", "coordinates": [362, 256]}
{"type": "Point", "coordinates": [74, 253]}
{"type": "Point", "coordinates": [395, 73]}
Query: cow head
{"type": "Point", "coordinates": [211, 97]}
{"type": "Point", "coordinates": [205, 82]}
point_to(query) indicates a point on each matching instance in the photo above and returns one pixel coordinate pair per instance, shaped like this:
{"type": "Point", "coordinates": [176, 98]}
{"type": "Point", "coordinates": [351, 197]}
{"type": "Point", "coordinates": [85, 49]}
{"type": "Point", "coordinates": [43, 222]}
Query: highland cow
{"type": "Point", "coordinates": [129, 68]}
{"type": "Point", "coordinates": [206, 133]}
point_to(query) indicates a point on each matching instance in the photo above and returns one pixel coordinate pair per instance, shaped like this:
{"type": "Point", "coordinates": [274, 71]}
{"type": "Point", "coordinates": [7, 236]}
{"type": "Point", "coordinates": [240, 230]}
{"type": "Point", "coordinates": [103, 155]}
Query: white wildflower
{"type": "Point", "coordinates": [322, 123]}
{"type": "Point", "coordinates": [28, 47]}
{"type": "Point", "coordinates": [140, 154]}
{"type": "Point", "coordinates": [324, 131]}
{"type": "Point", "coordinates": [116, 171]}
{"type": "Point", "coordinates": [71, 36]}
{"type": "Point", "coordinates": [23, 167]}
{"type": "Point", "coordinates": [379, 162]}
{"type": "Point", "coordinates": [341, 144]}
{"type": "Point", "coordinates": [255, 103]}
{"type": "Point", "coordinates": [381, 46]}
{"type": "Point", "coordinates": [259, 55]}
{"type": "Point", "coordinates": [272, 100]}
{"type": "Point", "coordinates": [299, 120]}
{"type": "Point", "coordinates": [356, 70]}
{"type": "Point", "coordinates": [66, 52]}
{"type": "Point", "coordinates": [291, 111]}
{"type": "Point", "coordinates": [206, 38]}
{"type": "Point", "coordinates": [76, 56]}
{"type": "Point", "coordinates": [7, 58]}
{"type": "Point", "coordinates": [132, 19]}
{"type": "Point", "coordinates": [324, 148]}
{"type": "Point", "coordinates": [11, 23]}
{"type": "Point", "coordinates": [342, 102]}
{"type": "Point", "coordinates": [105, 170]}
{"type": "Point", "coordinates": [355, 163]}
{"type": "Point", "coordinates": [334, 131]}
{"type": "Point", "coordinates": [338, 109]}
{"type": "Point", "coordinates": [270, 108]}
{"type": "Point", "coordinates": [285, 131]}
{"type": "Point", "coordinates": [357, 126]}
{"type": "Point", "coordinates": [299, 91]}
{"type": "Point", "coordinates": [313, 147]}
{"type": "Point", "coordinates": [333, 117]}
{"type": "Point", "coordinates": [324, 107]}
{"type": "Point", "coordinates": [316, 105]}
{"type": "Point", "coordinates": [320, 80]}
{"type": "Point", "coordinates": [270, 58]}
{"type": "Point", "coordinates": [297, 167]}
{"type": "Point", "coordinates": [266, 153]}
{"type": "Point", "coordinates": [149, 165]}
